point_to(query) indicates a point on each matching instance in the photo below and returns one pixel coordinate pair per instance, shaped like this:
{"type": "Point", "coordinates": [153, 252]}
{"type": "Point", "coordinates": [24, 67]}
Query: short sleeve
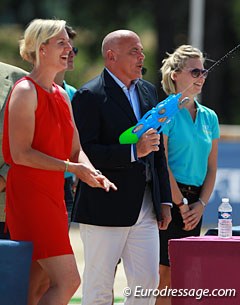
{"type": "Point", "coordinates": [167, 127]}
{"type": "Point", "coordinates": [215, 127]}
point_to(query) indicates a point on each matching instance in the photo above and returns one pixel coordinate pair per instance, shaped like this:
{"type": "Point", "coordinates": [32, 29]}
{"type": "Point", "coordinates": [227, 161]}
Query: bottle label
{"type": "Point", "coordinates": [225, 215]}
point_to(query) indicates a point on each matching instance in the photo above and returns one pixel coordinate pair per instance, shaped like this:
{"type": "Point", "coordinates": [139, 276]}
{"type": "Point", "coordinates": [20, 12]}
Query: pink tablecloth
{"type": "Point", "coordinates": [201, 263]}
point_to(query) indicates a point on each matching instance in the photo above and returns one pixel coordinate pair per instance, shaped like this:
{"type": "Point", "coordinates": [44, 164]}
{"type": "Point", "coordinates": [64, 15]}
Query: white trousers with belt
{"type": "Point", "coordinates": [138, 246]}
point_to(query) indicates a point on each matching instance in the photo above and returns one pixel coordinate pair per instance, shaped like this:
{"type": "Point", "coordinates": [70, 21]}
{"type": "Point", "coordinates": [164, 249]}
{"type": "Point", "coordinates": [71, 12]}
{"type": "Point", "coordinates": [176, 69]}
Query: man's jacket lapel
{"type": "Point", "coordinates": [117, 95]}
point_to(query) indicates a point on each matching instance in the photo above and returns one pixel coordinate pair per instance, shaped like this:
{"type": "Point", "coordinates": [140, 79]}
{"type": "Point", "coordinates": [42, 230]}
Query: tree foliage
{"type": "Point", "coordinates": [162, 25]}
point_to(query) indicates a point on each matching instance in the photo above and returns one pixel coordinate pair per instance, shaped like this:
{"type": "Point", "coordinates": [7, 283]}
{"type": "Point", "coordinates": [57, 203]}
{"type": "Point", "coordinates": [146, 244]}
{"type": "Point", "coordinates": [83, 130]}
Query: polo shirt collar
{"type": "Point", "coordinates": [199, 106]}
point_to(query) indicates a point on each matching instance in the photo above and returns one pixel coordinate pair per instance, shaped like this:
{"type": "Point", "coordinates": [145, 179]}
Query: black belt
{"type": "Point", "coordinates": [192, 189]}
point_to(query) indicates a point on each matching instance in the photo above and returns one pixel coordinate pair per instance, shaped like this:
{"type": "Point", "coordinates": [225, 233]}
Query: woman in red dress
{"type": "Point", "coordinates": [40, 142]}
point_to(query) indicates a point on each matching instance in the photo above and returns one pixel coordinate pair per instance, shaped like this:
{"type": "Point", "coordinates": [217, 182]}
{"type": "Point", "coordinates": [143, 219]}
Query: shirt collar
{"type": "Point", "coordinates": [121, 84]}
{"type": "Point", "coordinates": [64, 84]}
{"type": "Point", "coordinates": [199, 106]}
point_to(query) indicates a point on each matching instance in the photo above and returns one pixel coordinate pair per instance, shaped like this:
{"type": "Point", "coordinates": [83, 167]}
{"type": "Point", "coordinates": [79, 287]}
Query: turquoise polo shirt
{"type": "Point", "coordinates": [69, 89]}
{"type": "Point", "coordinates": [70, 92]}
{"type": "Point", "coordinates": [190, 143]}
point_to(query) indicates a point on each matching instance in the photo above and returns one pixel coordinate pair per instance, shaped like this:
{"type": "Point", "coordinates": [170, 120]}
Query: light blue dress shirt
{"type": "Point", "coordinates": [132, 95]}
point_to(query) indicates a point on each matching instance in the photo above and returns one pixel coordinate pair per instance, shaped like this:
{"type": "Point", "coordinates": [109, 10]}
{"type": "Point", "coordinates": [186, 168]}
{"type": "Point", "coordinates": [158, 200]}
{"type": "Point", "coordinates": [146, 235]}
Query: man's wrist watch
{"type": "Point", "coordinates": [183, 202]}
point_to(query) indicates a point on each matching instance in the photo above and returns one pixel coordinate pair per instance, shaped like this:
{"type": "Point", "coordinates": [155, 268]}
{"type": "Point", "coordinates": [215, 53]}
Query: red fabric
{"type": "Point", "coordinates": [35, 207]}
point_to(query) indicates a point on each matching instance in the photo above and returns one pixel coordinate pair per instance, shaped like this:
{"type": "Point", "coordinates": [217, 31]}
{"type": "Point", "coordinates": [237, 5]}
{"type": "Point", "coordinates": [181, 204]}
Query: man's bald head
{"type": "Point", "coordinates": [114, 39]}
{"type": "Point", "coordinates": [122, 51]}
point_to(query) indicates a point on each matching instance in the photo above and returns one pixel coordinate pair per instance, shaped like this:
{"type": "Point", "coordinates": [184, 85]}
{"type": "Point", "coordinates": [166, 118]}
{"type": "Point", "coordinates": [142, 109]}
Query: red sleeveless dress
{"type": "Point", "coordinates": [35, 207]}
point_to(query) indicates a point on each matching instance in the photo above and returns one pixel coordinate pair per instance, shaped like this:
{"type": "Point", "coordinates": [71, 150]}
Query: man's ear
{"type": "Point", "coordinates": [111, 55]}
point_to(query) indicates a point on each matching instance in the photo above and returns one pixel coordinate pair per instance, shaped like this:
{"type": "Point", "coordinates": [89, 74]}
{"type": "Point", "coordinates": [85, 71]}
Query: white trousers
{"type": "Point", "coordinates": [138, 246]}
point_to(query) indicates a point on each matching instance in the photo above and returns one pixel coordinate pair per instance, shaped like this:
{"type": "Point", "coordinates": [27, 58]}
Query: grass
{"type": "Point", "coordinates": [78, 300]}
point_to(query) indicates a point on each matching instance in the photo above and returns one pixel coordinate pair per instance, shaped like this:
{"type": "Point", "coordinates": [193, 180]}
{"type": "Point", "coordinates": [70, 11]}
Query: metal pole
{"type": "Point", "coordinates": [196, 23]}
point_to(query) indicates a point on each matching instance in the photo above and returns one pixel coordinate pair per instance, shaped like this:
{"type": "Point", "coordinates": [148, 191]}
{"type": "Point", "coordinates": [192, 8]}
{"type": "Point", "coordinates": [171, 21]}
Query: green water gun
{"type": "Point", "coordinates": [155, 118]}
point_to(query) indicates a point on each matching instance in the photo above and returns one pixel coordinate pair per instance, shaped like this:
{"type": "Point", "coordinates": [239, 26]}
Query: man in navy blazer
{"type": "Point", "coordinates": [122, 224]}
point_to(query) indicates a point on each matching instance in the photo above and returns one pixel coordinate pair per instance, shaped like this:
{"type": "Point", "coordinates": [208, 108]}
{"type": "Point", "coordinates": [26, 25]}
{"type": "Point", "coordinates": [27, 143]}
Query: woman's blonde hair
{"type": "Point", "coordinates": [39, 31]}
{"type": "Point", "coordinates": [176, 62]}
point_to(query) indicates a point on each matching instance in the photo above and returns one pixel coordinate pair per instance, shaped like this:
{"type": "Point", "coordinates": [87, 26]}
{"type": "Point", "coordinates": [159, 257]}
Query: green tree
{"type": "Point", "coordinates": [162, 25]}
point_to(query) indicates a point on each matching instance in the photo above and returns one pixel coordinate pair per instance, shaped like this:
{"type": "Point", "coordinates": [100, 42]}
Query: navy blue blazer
{"type": "Point", "coordinates": [102, 112]}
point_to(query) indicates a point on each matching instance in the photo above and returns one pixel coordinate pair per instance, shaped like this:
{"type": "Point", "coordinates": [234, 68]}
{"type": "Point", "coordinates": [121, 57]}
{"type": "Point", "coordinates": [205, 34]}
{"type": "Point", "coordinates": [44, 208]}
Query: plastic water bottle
{"type": "Point", "coordinates": [225, 219]}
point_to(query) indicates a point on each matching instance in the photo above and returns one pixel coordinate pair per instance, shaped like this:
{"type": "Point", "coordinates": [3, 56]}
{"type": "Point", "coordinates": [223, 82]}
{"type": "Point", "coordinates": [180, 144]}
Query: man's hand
{"type": "Point", "coordinates": [166, 217]}
{"type": "Point", "coordinates": [148, 142]}
{"type": "Point", "coordinates": [2, 184]}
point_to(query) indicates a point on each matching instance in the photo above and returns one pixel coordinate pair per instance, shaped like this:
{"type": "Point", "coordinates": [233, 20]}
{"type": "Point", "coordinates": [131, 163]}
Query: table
{"type": "Point", "coordinates": [15, 262]}
{"type": "Point", "coordinates": [207, 262]}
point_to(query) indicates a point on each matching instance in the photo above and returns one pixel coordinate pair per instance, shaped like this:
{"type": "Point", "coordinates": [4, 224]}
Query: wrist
{"type": "Point", "coordinates": [184, 208]}
{"type": "Point", "coordinates": [202, 202]}
{"type": "Point", "coordinates": [184, 202]}
{"type": "Point", "coordinates": [134, 148]}
{"type": "Point", "coordinates": [66, 165]}
{"type": "Point", "coordinates": [168, 204]}
{"type": "Point", "coordinates": [71, 167]}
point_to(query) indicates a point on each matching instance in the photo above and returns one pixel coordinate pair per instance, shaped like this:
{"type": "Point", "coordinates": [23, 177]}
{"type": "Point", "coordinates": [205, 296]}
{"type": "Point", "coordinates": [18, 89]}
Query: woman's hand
{"type": "Point", "coordinates": [184, 209]}
{"type": "Point", "coordinates": [104, 182]}
{"type": "Point", "coordinates": [91, 176]}
{"type": "Point", "coordinates": [192, 217]}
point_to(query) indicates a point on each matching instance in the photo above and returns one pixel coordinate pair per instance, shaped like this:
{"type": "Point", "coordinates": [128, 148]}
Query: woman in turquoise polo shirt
{"type": "Point", "coordinates": [191, 146]}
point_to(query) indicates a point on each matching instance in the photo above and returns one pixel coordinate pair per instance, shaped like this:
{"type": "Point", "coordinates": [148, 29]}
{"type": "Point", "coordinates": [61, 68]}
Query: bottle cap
{"type": "Point", "coordinates": [225, 199]}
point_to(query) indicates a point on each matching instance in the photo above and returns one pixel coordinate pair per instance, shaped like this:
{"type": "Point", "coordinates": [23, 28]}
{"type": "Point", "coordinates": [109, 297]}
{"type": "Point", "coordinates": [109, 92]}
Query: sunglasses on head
{"type": "Point", "coordinates": [75, 50]}
{"type": "Point", "coordinates": [198, 72]}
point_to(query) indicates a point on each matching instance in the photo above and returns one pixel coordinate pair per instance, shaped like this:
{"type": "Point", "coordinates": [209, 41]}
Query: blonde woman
{"type": "Point", "coordinates": [40, 143]}
{"type": "Point", "coordinates": [191, 147]}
